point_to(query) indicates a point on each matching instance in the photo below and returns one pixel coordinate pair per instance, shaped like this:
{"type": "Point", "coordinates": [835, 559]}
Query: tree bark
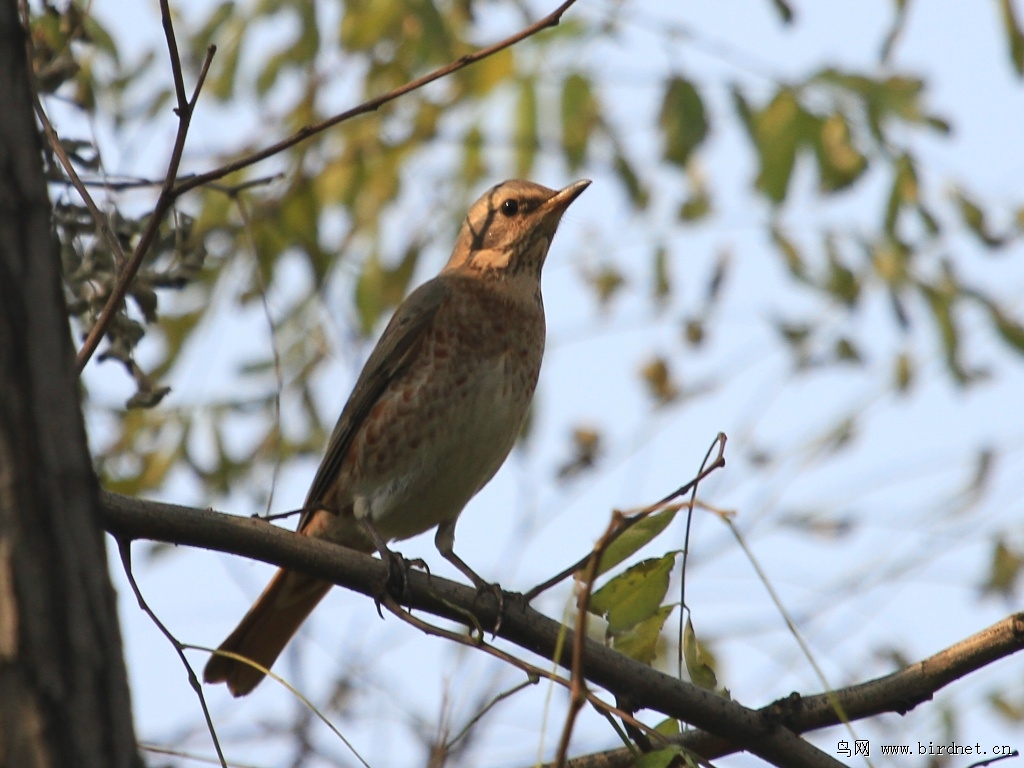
{"type": "Point", "coordinates": [64, 698]}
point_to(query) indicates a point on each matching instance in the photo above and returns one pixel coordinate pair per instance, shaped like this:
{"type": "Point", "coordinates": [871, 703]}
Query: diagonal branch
{"type": "Point", "coordinates": [551, 20]}
{"type": "Point", "coordinates": [757, 732]}
{"type": "Point", "coordinates": [898, 692]}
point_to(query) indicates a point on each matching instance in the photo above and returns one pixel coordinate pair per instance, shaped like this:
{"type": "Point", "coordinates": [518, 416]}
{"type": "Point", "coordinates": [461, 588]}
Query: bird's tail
{"type": "Point", "coordinates": [264, 631]}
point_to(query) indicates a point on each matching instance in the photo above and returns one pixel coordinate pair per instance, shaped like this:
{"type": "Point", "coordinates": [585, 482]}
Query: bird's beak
{"type": "Point", "coordinates": [561, 200]}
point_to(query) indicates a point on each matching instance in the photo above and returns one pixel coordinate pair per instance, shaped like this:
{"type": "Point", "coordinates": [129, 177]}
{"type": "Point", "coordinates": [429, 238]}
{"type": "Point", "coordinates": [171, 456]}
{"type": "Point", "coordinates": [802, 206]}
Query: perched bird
{"type": "Point", "coordinates": [433, 415]}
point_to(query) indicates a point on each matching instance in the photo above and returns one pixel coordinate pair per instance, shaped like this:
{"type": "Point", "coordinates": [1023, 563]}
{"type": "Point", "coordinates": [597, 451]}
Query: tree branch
{"type": "Point", "coordinates": [372, 105]}
{"type": "Point", "coordinates": [898, 692]}
{"type": "Point", "coordinates": [759, 733]}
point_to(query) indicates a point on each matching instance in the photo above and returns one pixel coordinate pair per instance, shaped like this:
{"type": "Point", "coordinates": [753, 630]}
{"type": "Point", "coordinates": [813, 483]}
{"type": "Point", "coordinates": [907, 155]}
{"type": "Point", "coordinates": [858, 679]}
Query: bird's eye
{"type": "Point", "coordinates": [510, 207]}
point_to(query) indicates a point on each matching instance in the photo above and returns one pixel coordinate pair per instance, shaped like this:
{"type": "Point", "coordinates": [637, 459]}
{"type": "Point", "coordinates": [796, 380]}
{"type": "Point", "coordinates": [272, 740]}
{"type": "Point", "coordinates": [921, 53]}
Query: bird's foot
{"type": "Point", "coordinates": [396, 584]}
{"type": "Point", "coordinates": [485, 587]}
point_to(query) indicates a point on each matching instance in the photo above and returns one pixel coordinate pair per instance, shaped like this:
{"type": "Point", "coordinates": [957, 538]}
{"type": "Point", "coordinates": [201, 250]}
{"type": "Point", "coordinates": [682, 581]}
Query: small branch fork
{"type": "Point", "coordinates": [172, 188]}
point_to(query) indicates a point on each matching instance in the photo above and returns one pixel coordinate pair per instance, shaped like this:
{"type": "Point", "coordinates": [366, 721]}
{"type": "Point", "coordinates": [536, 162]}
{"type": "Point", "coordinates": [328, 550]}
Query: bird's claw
{"type": "Point", "coordinates": [484, 587]}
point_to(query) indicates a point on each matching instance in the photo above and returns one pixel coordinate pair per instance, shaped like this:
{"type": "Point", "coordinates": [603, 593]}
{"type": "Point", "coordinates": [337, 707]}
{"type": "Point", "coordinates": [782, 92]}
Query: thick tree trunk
{"type": "Point", "coordinates": [64, 697]}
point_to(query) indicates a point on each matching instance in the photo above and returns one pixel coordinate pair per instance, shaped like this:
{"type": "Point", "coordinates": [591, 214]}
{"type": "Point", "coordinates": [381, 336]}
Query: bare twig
{"type": "Point", "coordinates": [164, 201]}
{"type": "Point", "coordinates": [578, 691]}
{"type": "Point", "coordinates": [633, 519]}
{"type": "Point", "coordinates": [683, 607]}
{"type": "Point", "coordinates": [124, 547]}
{"type": "Point", "coordinates": [551, 20]}
{"type": "Point", "coordinates": [291, 689]}
{"type": "Point", "coordinates": [533, 672]}
{"type": "Point", "coordinates": [243, 211]}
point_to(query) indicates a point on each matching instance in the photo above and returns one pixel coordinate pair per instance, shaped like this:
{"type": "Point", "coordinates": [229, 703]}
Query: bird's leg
{"type": "Point", "coordinates": [444, 540]}
{"type": "Point", "coordinates": [397, 583]}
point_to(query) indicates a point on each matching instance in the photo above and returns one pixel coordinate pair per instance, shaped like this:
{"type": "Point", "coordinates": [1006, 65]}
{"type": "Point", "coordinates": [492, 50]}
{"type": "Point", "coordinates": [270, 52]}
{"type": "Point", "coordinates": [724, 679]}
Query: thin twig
{"type": "Point", "coordinates": [291, 689]}
{"type": "Point", "coordinates": [633, 519]}
{"type": "Point", "coordinates": [551, 20]}
{"type": "Point", "coordinates": [530, 680]}
{"type": "Point", "coordinates": [243, 210]}
{"type": "Point", "coordinates": [578, 691]}
{"type": "Point", "coordinates": [124, 547]}
{"type": "Point", "coordinates": [791, 625]}
{"type": "Point", "coordinates": [165, 200]}
{"type": "Point", "coordinates": [683, 607]}
{"type": "Point", "coordinates": [531, 671]}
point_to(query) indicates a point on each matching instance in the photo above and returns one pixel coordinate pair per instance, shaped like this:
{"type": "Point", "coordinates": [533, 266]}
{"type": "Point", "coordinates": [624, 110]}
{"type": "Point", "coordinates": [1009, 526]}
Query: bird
{"type": "Point", "coordinates": [436, 410]}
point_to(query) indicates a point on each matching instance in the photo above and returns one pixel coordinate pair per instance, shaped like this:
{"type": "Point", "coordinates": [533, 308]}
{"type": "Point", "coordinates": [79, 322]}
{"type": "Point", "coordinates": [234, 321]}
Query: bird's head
{"type": "Point", "coordinates": [508, 230]}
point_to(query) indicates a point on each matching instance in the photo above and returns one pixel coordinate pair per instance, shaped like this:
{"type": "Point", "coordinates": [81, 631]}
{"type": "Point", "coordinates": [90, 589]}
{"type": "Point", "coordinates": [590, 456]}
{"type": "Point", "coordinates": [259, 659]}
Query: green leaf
{"type": "Point", "coordinates": [846, 351]}
{"type": "Point", "coordinates": [784, 9]}
{"type": "Point", "coordinates": [660, 758]}
{"type": "Point", "coordinates": [744, 111]}
{"type": "Point", "coordinates": [606, 281]}
{"type": "Point", "coordinates": [1008, 710]}
{"type": "Point", "coordinates": [668, 727]}
{"type": "Point", "coordinates": [221, 82]}
{"type": "Point", "coordinates": [904, 372]}
{"type": "Point", "coordinates": [840, 163]}
{"type": "Point", "coordinates": [895, 31]}
{"type": "Point", "coordinates": [683, 121]}
{"type": "Point", "coordinates": [658, 377]}
{"type": "Point", "coordinates": [481, 78]}
{"type": "Point", "coordinates": [365, 25]}
{"type": "Point", "coordinates": [473, 166]}
{"type": "Point", "coordinates": [696, 660]}
{"type": "Point", "coordinates": [380, 288]}
{"type": "Point", "coordinates": [209, 31]}
{"type": "Point", "coordinates": [524, 137]}
{"type": "Point", "coordinates": [940, 301]}
{"type": "Point", "coordinates": [895, 97]}
{"type": "Point", "coordinates": [890, 259]}
{"type": "Point", "coordinates": [640, 641]}
{"type": "Point", "coordinates": [635, 595]}
{"type": "Point", "coordinates": [271, 71]}
{"type": "Point", "coordinates": [638, 195]}
{"type": "Point", "coordinates": [1004, 570]}
{"type": "Point", "coordinates": [841, 282]}
{"type": "Point", "coordinates": [580, 115]}
{"type": "Point", "coordinates": [794, 261]}
{"type": "Point", "coordinates": [1009, 329]}
{"type": "Point", "coordinates": [778, 130]}
{"type": "Point", "coordinates": [1014, 36]}
{"type": "Point", "coordinates": [974, 217]}
{"type": "Point", "coordinates": [662, 281]}
{"type": "Point", "coordinates": [636, 536]}
{"type": "Point", "coordinates": [696, 206]}
{"type": "Point", "coordinates": [904, 191]}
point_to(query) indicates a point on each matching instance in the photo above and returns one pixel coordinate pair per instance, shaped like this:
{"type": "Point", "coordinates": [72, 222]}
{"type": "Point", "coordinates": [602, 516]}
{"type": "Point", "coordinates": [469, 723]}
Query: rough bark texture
{"type": "Point", "coordinates": [64, 697]}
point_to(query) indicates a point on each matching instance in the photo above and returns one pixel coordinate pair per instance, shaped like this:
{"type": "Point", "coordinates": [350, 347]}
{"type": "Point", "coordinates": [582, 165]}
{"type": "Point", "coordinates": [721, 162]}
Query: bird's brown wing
{"type": "Point", "coordinates": [396, 349]}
